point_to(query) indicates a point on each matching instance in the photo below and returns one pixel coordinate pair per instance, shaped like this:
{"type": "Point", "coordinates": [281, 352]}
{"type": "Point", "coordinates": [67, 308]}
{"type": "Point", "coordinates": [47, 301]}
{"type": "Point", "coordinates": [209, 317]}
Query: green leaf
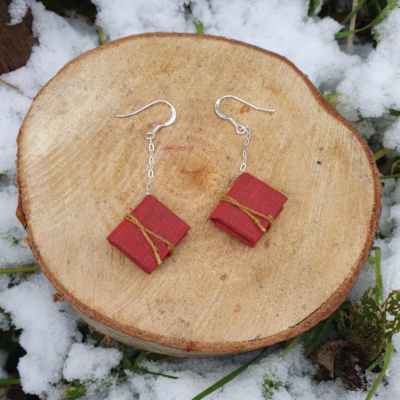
{"type": "Point", "coordinates": [270, 386]}
{"type": "Point", "coordinates": [382, 16]}
{"type": "Point", "coordinates": [392, 307]}
{"type": "Point", "coordinates": [228, 378]}
{"type": "Point", "coordinates": [394, 113]}
{"type": "Point", "coordinates": [312, 7]}
{"type": "Point", "coordinates": [75, 391]}
{"type": "Point", "coordinates": [333, 98]}
{"type": "Point", "coordinates": [199, 26]}
{"type": "Point", "coordinates": [355, 10]}
{"type": "Point", "coordinates": [363, 323]}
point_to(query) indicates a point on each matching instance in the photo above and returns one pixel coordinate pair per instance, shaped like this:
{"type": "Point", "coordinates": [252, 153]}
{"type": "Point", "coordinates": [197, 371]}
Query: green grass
{"type": "Point", "coordinates": [379, 18]}
{"type": "Point", "coordinates": [19, 270]}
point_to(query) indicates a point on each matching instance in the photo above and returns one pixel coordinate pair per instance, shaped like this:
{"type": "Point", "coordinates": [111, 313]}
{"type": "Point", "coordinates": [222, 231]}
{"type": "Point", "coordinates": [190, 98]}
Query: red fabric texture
{"type": "Point", "coordinates": [153, 215]}
{"type": "Point", "coordinates": [254, 194]}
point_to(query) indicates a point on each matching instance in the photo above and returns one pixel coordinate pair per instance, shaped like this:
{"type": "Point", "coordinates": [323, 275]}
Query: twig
{"type": "Point", "coordinates": [350, 38]}
{"type": "Point", "coordinates": [11, 86]}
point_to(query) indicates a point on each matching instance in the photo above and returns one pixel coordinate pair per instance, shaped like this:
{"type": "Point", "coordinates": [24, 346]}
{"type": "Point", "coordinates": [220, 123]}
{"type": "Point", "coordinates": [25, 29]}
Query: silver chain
{"type": "Point", "coordinates": [241, 130]}
{"type": "Point", "coordinates": [150, 136]}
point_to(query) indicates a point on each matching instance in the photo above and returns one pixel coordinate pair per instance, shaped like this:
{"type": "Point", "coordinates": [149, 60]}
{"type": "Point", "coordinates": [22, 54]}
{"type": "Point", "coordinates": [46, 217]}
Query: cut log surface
{"type": "Point", "coordinates": [81, 169]}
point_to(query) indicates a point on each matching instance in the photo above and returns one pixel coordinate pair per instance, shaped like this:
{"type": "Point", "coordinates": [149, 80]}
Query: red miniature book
{"type": "Point", "coordinates": [248, 209]}
{"type": "Point", "coordinates": [148, 234]}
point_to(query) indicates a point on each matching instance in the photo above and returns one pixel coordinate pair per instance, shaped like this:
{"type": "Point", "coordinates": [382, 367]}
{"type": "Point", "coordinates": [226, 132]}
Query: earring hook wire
{"type": "Point", "coordinates": [235, 124]}
{"type": "Point", "coordinates": [150, 135]}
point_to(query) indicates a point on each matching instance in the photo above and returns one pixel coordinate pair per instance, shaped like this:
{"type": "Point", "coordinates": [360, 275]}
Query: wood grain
{"type": "Point", "coordinates": [80, 170]}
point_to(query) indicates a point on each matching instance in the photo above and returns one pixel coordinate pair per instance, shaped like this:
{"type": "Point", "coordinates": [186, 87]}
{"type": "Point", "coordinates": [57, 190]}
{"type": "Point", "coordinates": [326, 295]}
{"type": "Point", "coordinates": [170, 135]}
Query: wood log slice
{"type": "Point", "coordinates": [80, 170]}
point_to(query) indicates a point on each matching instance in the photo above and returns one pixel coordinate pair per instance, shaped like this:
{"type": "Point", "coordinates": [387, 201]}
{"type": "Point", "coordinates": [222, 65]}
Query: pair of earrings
{"type": "Point", "coordinates": [151, 231]}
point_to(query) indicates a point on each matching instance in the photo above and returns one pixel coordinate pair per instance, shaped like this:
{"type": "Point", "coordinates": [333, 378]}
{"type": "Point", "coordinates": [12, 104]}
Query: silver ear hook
{"type": "Point", "coordinates": [240, 129]}
{"type": "Point", "coordinates": [150, 136]}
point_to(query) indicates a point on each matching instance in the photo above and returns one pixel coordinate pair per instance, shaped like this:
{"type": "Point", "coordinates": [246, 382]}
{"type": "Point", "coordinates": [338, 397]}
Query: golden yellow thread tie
{"type": "Point", "coordinates": [146, 232]}
{"type": "Point", "coordinates": [250, 213]}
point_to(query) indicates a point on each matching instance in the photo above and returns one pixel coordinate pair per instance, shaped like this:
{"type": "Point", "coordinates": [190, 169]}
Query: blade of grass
{"type": "Point", "coordinates": [383, 178]}
{"type": "Point", "coordinates": [313, 333]}
{"type": "Point", "coordinates": [17, 270]}
{"type": "Point", "coordinates": [291, 345]}
{"type": "Point", "coordinates": [377, 362]}
{"type": "Point", "coordinates": [10, 381]}
{"type": "Point", "coordinates": [97, 337]}
{"type": "Point", "coordinates": [138, 370]}
{"type": "Point", "coordinates": [388, 357]}
{"type": "Point", "coordinates": [312, 7]}
{"type": "Point", "coordinates": [378, 273]}
{"type": "Point", "coordinates": [310, 348]}
{"type": "Point", "coordinates": [381, 153]}
{"type": "Point", "coordinates": [140, 358]}
{"type": "Point", "coordinates": [101, 37]}
{"type": "Point", "coordinates": [355, 10]}
{"type": "Point", "coordinates": [383, 15]}
{"type": "Point", "coordinates": [126, 362]}
{"type": "Point", "coordinates": [229, 377]}
{"type": "Point", "coordinates": [373, 8]}
{"type": "Point", "coordinates": [395, 164]}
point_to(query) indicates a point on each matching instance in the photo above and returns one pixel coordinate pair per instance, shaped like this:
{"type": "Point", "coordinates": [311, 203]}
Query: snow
{"type": "Point", "coordinates": [48, 331]}
{"type": "Point", "coordinates": [86, 362]}
{"type": "Point", "coordinates": [368, 84]}
{"type": "Point", "coordinates": [17, 11]}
